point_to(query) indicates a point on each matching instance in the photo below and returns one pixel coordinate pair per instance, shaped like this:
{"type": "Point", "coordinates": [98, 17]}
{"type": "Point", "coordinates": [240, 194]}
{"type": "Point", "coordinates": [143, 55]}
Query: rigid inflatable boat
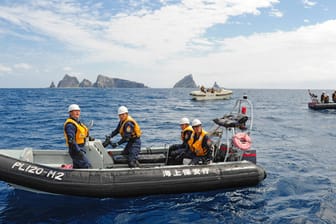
{"type": "Point", "coordinates": [211, 94]}
{"type": "Point", "coordinates": [48, 171]}
{"type": "Point", "coordinates": [315, 104]}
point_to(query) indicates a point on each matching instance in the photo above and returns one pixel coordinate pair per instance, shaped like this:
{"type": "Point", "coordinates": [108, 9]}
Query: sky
{"type": "Point", "coordinates": [286, 44]}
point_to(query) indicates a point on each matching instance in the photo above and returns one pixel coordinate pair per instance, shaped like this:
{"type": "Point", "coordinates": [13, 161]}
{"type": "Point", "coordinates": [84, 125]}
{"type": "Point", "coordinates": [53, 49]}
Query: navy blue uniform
{"type": "Point", "coordinates": [133, 146]}
{"type": "Point", "coordinates": [177, 151]}
{"type": "Point", "coordinates": [76, 151]}
{"type": "Point", "coordinates": [206, 144]}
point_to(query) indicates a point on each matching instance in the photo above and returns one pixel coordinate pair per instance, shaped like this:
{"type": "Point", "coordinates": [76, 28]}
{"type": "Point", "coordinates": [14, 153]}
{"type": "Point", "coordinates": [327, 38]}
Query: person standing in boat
{"type": "Point", "coordinates": [176, 151]}
{"type": "Point", "coordinates": [130, 133]}
{"type": "Point", "coordinates": [75, 133]}
{"type": "Point", "coordinates": [200, 144]}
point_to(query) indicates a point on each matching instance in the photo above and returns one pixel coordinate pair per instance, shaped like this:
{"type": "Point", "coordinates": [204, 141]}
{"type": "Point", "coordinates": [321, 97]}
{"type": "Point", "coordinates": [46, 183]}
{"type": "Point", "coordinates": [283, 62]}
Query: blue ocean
{"type": "Point", "coordinates": [295, 145]}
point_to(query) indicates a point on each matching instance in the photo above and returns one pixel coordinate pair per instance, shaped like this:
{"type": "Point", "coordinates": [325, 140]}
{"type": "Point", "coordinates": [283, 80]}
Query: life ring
{"type": "Point", "coordinates": [242, 141]}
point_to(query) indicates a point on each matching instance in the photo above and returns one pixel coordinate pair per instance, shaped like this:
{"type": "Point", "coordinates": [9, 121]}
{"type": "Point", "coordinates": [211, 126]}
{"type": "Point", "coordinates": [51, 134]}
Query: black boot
{"type": "Point", "coordinates": [133, 164]}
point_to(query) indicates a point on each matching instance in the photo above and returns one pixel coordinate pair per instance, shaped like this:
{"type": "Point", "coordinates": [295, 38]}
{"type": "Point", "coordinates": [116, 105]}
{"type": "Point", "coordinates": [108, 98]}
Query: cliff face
{"type": "Point", "coordinates": [85, 83]}
{"type": "Point", "coordinates": [122, 83]}
{"type": "Point", "coordinates": [186, 82]}
{"type": "Point", "coordinates": [68, 82]}
{"type": "Point", "coordinates": [101, 82]}
{"type": "Point", "coordinates": [107, 82]}
{"type": "Point", "coordinates": [104, 82]}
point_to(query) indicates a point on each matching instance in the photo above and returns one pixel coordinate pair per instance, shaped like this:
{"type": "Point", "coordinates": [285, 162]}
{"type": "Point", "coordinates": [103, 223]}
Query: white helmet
{"type": "Point", "coordinates": [184, 120]}
{"type": "Point", "coordinates": [196, 122]}
{"type": "Point", "coordinates": [122, 110]}
{"type": "Point", "coordinates": [73, 107]}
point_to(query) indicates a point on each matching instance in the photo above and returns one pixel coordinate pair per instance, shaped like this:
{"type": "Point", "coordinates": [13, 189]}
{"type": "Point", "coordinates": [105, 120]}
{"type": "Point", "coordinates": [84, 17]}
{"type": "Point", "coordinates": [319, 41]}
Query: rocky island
{"type": "Point", "coordinates": [108, 82]}
{"type": "Point", "coordinates": [186, 82]}
{"type": "Point", "coordinates": [101, 82]}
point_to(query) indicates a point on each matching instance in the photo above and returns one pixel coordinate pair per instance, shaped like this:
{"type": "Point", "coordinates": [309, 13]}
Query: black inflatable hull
{"type": "Point", "coordinates": [125, 182]}
{"type": "Point", "coordinates": [321, 106]}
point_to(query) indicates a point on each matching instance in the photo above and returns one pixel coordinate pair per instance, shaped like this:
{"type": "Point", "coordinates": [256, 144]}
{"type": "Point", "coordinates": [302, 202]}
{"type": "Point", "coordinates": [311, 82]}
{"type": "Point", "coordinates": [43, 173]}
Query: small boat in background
{"type": "Point", "coordinates": [315, 104]}
{"type": "Point", "coordinates": [214, 93]}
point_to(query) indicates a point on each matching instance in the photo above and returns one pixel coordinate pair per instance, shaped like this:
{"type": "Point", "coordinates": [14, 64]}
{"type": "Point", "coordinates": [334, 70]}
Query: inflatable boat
{"type": "Point", "coordinates": [211, 94]}
{"type": "Point", "coordinates": [49, 171]}
{"type": "Point", "coordinates": [315, 104]}
{"type": "Point", "coordinates": [321, 106]}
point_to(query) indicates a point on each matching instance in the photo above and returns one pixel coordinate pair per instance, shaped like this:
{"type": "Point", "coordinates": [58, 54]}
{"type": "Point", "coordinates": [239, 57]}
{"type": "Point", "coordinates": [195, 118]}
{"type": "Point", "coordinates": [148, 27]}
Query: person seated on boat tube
{"type": "Point", "coordinates": [324, 97]}
{"type": "Point", "coordinates": [75, 133]}
{"type": "Point", "coordinates": [130, 133]}
{"type": "Point", "coordinates": [200, 145]}
{"type": "Point", "coordinates": [334, 96]}
{"type": "Point", "coordinates": [177, 151]}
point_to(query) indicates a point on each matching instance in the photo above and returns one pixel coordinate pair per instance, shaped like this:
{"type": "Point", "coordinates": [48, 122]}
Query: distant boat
{"type": "Point", "coordinates": [315, 104]}
{"type": "Point", "coordinates": [211, 94]}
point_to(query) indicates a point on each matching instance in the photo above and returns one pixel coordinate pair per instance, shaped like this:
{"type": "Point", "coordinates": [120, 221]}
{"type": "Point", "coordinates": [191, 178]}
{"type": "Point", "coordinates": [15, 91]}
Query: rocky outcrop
{"type": "Point", "coordinates": [68, 82]}
{"type": "Point", "coordinates": [85, 83]}
{"type": "Point", "coordinates": [186, 82]}
{"type": "Point", "coordinates": [52, 85]}
{"type": "Point", "coordinates": [104, 82]}
{"type": "Point", "coordinates": [107, 82]}
{"type": "Point", "coordinates": [216, 86]}
{"type": "Point", "coordinates": [101, 82]}
{"type": "Point", "coordinates": [122, 83]}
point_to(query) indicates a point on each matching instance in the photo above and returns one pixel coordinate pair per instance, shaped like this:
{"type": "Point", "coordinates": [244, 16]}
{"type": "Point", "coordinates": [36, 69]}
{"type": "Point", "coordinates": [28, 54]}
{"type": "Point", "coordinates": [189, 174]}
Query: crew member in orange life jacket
{"type": "Point", "coordinates": [75, 134]}
{"type": "Point", "coordinates": [130, 133]}
{"type": "Point", "coordinates": [177, 151]}
{"type": "Point", "coordinates": [200, 145]}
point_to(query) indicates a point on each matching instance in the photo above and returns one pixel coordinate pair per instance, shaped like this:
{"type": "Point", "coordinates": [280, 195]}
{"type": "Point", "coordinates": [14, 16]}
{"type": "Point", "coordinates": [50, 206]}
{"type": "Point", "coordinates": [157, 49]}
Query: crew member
{"type": "Point", "coordinates": [75, 133]}
{"type": "Point", "coordinates": [200, 144]}
{"type": "Point", "coordinates": [130, 133]}
{"type": "Point", "coordinates": [177, 151]}
{"type": "Point", "coordinates": [334, 96]}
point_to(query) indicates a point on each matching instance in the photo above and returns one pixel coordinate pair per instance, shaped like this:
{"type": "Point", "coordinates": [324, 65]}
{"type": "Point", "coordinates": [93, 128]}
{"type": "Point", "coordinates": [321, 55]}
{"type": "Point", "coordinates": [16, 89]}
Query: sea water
{"type": "Point", "coordinates": [294, 144]}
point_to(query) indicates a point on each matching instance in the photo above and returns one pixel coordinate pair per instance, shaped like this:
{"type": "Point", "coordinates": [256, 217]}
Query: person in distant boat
{"type": "Point", "coordinates": [75, 133]}
{"type": "Point", "coordinates": [130, 133]}
{"type": "Point", "coordinates": [200, 145]}
{"type": "Point", "coordinates": [334, 96]}
{"type": "Point", "coordinates": [177, 151]}
{"type": "Point", "coordinates": [203, 89]}
{"type": "Point", "coordinates": [313, 96]}
{"type": "Point", "coordinates": [324, 97]}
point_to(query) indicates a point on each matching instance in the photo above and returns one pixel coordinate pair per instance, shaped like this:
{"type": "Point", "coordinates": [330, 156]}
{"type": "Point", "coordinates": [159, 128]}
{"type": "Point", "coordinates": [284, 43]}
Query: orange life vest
{"type": "Point", "coordinates": [188, 128]}
{"type": "Point", "coordinates": [136, 132]}
{"type": "Point", "coordinates": [196, 146]}
{"type": "Point", "coordinates": [81, 131]}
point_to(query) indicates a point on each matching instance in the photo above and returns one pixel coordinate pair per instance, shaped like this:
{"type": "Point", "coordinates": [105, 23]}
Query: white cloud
{"type": "Point", "coordinates": [308, 53]}
{"type": "Point", "coordinates": [67, 69]}
{"type": "Point", "coordinates": [160, 46]}
{"type": "Point", "coordinates": [24, 66]}
{"type": "Point", "coordinates": [139, 37]}
{"type": "Point", "coordinates": [308, 4]}
{"type": "Point", "coordinates": [276, 13]}
{"type": "Point", "coordinates": [5, 69]}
